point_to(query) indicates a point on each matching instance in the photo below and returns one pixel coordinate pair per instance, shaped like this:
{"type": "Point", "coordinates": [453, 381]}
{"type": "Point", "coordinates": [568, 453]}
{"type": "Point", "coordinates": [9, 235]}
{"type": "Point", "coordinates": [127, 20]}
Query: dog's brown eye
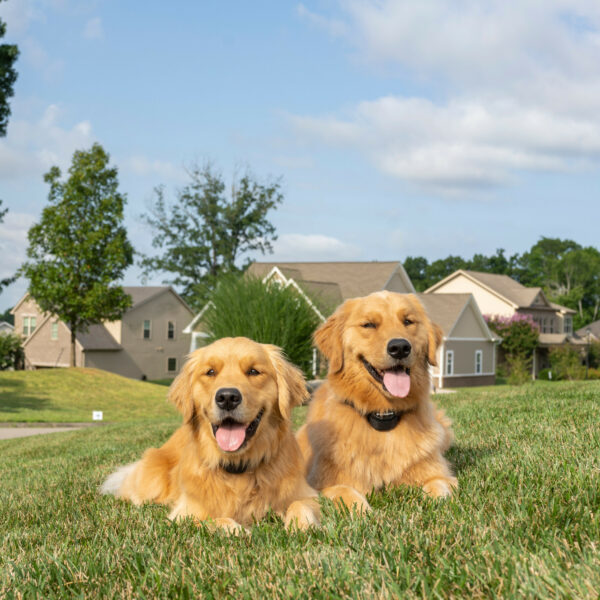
{"type": "Point", "coordinates": [210, 372]}
{"type": "Point", "coordinates": [253, 372]}
{"type": "Point", "coordinates": [369, 325]}
{"type": "Point", "coordinates": [408, 322]}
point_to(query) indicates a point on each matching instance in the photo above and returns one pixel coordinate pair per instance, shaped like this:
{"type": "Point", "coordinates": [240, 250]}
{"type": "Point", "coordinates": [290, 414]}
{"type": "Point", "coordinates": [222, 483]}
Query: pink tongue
{"type": "Point", "coordinates": [397, 383]}
{"type": "Point", "coordinates": [231, 436]}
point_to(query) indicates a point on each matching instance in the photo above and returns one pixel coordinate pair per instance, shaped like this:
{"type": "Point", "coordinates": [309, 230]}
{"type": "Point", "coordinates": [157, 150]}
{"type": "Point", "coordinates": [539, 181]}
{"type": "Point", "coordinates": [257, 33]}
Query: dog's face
{"type": "Point", "coordinates": [380, 345]}
{"type": "Point", "coordinates": [236, 394]}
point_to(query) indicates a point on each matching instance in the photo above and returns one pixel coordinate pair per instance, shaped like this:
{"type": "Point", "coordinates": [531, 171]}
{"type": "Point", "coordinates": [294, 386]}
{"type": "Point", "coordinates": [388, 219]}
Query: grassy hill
{"type": "Point", "coordinates": [525, 522]}
{"type": "Point", "coordinates": [70, 395]}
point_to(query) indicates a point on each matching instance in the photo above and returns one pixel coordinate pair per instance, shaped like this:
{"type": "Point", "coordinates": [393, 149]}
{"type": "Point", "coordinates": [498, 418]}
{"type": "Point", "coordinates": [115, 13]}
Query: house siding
{"type": "Point", "coordinates": [469, 381]}
{"type": "Point", "coordinates": [42, 351]}
{"type": "Point", "coordinates": [150, 355]}
{"type": "Point", "coordinates": [489, 304]}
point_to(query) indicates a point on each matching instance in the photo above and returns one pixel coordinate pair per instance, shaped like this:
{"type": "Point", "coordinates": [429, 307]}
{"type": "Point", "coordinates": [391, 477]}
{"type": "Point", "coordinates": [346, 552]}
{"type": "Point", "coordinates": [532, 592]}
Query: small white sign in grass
{"type": "Point", "coordinates": [97, 415]}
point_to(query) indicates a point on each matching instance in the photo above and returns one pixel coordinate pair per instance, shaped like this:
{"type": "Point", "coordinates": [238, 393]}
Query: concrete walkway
{"type": "Point", "coordinates": [8, 433]}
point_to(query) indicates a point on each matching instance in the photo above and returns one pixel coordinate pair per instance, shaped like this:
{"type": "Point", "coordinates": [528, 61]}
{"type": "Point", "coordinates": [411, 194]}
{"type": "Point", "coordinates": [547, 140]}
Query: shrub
{"type": "Point", "coordinates": [544, 375]}
{"type": "Point", "coordinates": [519, 334]}
{"type": "Point", "coordinates": [593, 374]}
{"type": "Point", "coordinates": [594, 355]}
{"type": "Point", "coordinates": [270, 314]}
{"type": "Point", "coordinates": [565, 363]}
{"type": "Point", "coordinates": [519, 370]}
{"type": "Point", "coordinates": [12, 355]}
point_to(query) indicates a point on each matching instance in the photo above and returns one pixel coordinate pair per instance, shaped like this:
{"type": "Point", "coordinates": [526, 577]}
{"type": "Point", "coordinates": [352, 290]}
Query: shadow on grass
{"type": "Point", "coordinates": [464, 458]}
{"type": "Point", "coordinates": [14, 399]}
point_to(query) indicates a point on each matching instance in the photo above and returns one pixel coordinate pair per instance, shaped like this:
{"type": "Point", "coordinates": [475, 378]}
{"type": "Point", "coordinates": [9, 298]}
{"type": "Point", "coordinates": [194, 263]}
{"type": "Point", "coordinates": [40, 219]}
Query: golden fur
{"type": "Point", "coordinates": [339, 445]}
{"type": "Point", "coordinates": [187, 472]}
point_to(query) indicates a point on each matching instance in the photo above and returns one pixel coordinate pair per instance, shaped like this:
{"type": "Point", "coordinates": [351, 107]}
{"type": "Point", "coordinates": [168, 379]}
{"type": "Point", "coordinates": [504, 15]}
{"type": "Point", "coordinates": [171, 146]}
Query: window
{"type": "Point", "coordinates": [29, 324]}
{"type": "Point", "coordinates": [170, 330]}
{"type": "Point", "coordinates": [171, 365]}
{"type": "Point", "coordinates": [544, 325]}
{"type": "Point", "coordinates": [147, 325]}
{"type": "Point", "coordinates": [54, 330]}
{"type": "Point", "coordinates": [568, 325]}
{"type": "Point", "coordinates": [449, 362]}
{"type": "Point", "coordinates": [478, 362]}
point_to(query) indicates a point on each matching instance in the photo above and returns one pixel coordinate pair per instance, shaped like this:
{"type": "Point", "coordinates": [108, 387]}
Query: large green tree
{"type": "Point", "coordinates": [79, 249]}
{"type": "Point", "coordinates": [8, 76]}
{"type": "Point", "coordinates": [205, 232]}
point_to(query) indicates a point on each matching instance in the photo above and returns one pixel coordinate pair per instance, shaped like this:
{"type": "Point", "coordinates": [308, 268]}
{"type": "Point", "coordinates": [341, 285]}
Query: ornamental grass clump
{"type": "Point", "coordinates": [267, 313]}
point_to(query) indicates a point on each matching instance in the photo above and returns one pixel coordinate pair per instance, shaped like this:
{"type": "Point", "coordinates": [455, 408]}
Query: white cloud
{"type": "Point", "coordinates": [529, 81]}
{"type": "Point", "coordinates": [18, 14]}
{"type": "Point", "coordinates": [307, 247]}
{"type": "Point", "coordinates": [13, 241]}
{"type": "Point", "coordinates": [35, 54]}
{"type": "Point", "coordinates": [93, 29]}
{"type": "Point", "coordinates": [31, 148]}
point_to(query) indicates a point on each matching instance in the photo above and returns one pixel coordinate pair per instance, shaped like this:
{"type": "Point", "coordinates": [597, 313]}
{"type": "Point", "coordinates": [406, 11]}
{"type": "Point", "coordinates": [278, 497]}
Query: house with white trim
{"type": "Point", "coordinates": [146, 343]}
{"type": "Point", "coordinates": [500, 295]}
{"type": "Point", "coordinates": [6, 328]}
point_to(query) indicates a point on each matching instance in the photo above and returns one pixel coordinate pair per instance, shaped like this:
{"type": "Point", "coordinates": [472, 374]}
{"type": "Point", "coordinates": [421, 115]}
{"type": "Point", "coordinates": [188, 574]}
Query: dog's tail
{"type": "Point", "coordinates": [114, 482]}
{"type": "Point", "coordinates": [446, 424]}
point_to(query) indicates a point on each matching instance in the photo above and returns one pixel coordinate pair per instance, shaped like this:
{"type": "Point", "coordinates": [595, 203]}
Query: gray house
{"type": "Point", "coordinates": [147, 343]}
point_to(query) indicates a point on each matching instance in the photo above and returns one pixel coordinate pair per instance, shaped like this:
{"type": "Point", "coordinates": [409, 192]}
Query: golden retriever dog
{"type": "Point", "coordinates": [372, 423]}
{"type": "Point", "coordinates": [235, 456]}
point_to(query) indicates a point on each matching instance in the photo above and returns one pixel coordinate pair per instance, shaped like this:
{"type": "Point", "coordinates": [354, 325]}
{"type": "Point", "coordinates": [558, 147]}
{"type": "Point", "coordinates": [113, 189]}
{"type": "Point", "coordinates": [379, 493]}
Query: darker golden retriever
{"type": "Point", "coordinates": [372, 423]}
{"type": "Point", "coordinates": [235, 456]}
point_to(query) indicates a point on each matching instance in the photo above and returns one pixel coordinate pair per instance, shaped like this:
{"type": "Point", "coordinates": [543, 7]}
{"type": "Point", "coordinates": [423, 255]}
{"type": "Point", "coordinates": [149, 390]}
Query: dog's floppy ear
{"type": "Point", "coordinates": [180, 392]}
{"type": "Point", "coordinates": [291, 385]}
{"type": "Point", "coordinates": [328, 339]}
{"type": "Point", "coordinates": [434, 339]}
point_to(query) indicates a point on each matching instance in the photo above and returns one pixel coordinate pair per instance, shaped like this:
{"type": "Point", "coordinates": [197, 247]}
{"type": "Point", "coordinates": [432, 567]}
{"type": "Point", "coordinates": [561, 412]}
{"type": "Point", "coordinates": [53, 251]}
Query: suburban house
{"type": "Point", "coordinates": [467, 355]}
{"type": "Point", "coordinates": [147, 343]}
{"type": "Point", "coordinates": [503, 296]}
{"type": "Point", "coordinates": [6, 327]}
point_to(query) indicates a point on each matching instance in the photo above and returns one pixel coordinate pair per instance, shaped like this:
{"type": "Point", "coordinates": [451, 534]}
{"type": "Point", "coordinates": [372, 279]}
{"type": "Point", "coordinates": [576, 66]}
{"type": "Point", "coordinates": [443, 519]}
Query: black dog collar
{"type": "Point", "coordinates": [380, 420]}
{"type": "Point", "coordinates": [234, 468]}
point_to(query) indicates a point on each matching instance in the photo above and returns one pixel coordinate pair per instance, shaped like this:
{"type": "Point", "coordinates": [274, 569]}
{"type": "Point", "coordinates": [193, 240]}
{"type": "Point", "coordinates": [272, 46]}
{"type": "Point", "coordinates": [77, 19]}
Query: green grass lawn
{"type": "Point", "coordinates": [525, 522]}
{"type": "Point", "coordinates": [70, 395]}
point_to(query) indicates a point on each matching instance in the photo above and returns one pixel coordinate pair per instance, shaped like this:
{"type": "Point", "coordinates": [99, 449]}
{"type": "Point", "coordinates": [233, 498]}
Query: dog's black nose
{"type": "Point", "coordinates": [398, 348]}
{"type": "Point", "coordinates": [228, 398]}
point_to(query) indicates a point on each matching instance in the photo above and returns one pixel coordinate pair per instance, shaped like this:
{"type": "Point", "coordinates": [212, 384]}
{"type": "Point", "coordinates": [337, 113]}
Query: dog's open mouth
{"type": "Point", "coordinates": [396, 380]}
{"type": "Point", "coordinates": [232, 436]}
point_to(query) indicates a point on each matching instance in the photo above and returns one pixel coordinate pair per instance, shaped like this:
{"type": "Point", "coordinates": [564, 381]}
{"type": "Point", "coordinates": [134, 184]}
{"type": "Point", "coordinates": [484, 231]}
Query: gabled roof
{"type": "Point", "coordinates": [507, 288]}
{"type": "Point", "coordinates": [447, 309]}
{"type": "Point", "coordinates": [6, 325]}
{"type": "Point", "coordinates": [594, 331]}
{"type": "Point", "coordinates": [351, 278]}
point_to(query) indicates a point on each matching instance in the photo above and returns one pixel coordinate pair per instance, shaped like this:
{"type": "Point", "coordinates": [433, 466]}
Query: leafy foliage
{"type": "Point", "coordinates": [204, 234]}
{"type": "Point", "coordinates": [80, 248]}
{"type": "Point", "coordinates": [11, 351]}
{"type": "Point", "coordinates": [7, 281]}
{"type": "Point", "coordinates": [520, 337]}
{"type": "Point", "coordinates": [270, 314]}
{"type": "Point", "coordinates": [565, 364]}
{"type": "Point", "coordinates": [8, 76]}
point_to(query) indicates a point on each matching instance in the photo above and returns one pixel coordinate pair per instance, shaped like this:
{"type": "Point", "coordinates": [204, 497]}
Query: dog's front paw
{"type": "Point", "coordinates": [347, 496]}
{"type": "Point", "coordinates": [440, 488]}
{"type": "Point", "coordinates": [303, 514]}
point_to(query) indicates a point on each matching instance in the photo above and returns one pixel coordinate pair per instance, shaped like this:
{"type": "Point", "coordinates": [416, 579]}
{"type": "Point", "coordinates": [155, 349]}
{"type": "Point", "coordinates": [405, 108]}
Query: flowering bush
{"type": "Point", "coordinates": [519, 333]}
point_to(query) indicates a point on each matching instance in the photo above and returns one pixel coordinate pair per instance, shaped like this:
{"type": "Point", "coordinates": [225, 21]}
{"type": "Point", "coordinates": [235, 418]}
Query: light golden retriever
{"type": "Point", "coordinates": [235, 455]}
{"type": "Point", "coordinates": [372, 423]}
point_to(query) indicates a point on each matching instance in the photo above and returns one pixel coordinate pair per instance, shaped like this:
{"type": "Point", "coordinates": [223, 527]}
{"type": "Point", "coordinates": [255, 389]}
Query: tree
{"type": "Point", "coordinates": [204, 234]}
{"type": "Point", "coordinates": [8, 76]}
{"type": "Point", "coordinates": [11, 351]}
{"type": "Point", "coordinates": [79, 248]}
{"type": "Point", "coordinates": [266, 313]}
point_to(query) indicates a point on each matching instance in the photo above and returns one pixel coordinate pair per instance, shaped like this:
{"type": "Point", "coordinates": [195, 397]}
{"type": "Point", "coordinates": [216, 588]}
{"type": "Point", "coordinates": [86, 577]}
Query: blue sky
{"type": "Point", "coordinates": [399, 128]}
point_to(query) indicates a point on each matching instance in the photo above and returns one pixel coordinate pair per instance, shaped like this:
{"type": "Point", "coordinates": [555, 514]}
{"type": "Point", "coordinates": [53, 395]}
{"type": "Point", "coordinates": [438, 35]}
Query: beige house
{"type": "Point", "coordinates": [503, 296]}
{"type": "Point", "coordinates": [467, 354]}
{"type": "Point", "coordinates": [6, 328]}
{"type": "Point", "coordinates": [147, 343]}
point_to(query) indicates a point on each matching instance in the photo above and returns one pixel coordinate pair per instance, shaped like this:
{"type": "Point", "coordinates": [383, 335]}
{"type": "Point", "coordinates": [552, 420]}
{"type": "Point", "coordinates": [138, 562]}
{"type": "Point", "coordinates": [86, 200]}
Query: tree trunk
{"type": "Point", "coordinates": [72, 327]}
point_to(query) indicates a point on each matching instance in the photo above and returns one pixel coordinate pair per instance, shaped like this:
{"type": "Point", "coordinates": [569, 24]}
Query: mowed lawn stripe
{"type": "Point", "coordinates": [524, 523]}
